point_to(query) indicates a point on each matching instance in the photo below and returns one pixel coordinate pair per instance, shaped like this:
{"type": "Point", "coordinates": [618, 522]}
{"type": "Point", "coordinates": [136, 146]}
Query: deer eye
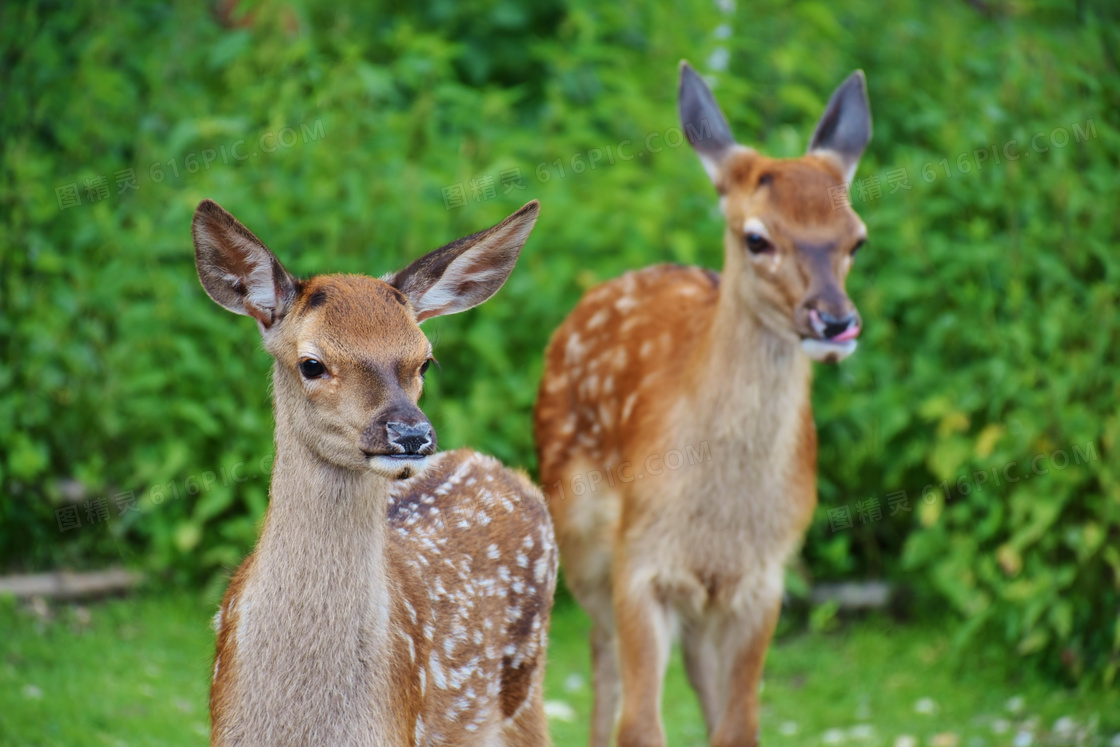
{"type": "Point", "coordinates": [311, 368]}
{"type": "Point", "coordinates": [858, 246]}
{"type": "Point", "coordinates": [424, 367]}
{"type": "Point", "coordinates": [757, 244]}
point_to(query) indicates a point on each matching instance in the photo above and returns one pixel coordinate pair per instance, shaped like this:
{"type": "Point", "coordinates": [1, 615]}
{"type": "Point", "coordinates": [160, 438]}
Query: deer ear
{"type": "Point", "coordinates": [845, 128]}
{"type": "Point", "coordinates": [703, 122]}
{"type": "Point", "coordinates": [466, 272]}
{"type": "Point", "coordinates": [237, 270]}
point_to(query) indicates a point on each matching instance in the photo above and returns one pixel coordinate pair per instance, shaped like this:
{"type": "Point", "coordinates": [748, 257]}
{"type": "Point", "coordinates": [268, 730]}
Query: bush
{"type": "Point", "coordinates": [346, 138]}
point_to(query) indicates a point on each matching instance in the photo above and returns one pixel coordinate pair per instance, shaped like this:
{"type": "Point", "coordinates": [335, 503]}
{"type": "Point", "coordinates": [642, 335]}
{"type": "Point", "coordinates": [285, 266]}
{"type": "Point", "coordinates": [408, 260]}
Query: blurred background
{"type": "Point", "coordinates": [967, 451]}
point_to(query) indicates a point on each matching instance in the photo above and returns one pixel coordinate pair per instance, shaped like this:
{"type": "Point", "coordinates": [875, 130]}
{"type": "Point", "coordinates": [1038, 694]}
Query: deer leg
{"type": "Point", "coordinates": [607, 684]}
{"type": "Point", "coordinates": [643, 647]}
{"type": "Point", "coordinates": [745, 640]}
{"type": "Point", "coordinates": [595, 596]}
{"type": "Point", "coordinates": [701, 663]}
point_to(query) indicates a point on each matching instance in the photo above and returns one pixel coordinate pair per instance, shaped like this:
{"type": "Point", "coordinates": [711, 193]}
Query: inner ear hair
{"type": "Point", "coordinates": [468, 271]}
{"type": "Point", "coordinates": [237, 270]}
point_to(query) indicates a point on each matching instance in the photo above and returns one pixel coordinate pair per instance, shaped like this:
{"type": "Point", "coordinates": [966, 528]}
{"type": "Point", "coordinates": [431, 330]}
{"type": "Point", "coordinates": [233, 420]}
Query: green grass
{"type": "Point", "coordinates": [124, 672]}
{"type": "Point", "coordinates": [136, 671]}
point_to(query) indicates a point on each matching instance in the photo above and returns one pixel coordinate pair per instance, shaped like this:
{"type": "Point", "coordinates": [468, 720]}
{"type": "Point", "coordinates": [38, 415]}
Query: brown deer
{"type": "Point", "coordinates": [680, 360]}
{"type": "Point", "coordinates": [396, 596]}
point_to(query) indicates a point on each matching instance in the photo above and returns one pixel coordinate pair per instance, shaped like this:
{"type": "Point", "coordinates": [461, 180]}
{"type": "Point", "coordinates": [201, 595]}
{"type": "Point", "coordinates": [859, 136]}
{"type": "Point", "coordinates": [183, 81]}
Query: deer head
{"type": "Point", "coordinates": [350, 355]}
{"type": "Point", "coordinates": [789, 247]}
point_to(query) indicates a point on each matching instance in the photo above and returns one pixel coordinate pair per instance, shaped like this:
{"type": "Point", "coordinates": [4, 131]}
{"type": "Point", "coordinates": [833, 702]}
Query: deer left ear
{"type": "Point", "coordinates": [704, 124]}
{"type": "Point", "coordinates": [845, 129]}
{"type": "Point", "coordinates": [466, 272]}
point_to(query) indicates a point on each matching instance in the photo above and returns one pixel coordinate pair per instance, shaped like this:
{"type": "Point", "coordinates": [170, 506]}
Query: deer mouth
{"type": "Point", "coordinates": [397, 466]}
{"type": "Point", "coordinates": [830, 350]}
{"type": "Point", "coordinates": [832, 340]}
{"type": "Point", "coordinates": [402, 455]}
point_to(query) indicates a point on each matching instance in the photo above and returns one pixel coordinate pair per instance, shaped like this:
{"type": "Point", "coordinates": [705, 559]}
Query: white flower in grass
{"type": "Point", "coordinates": [906, 740]}
{"type": "Point", "coordinates": [558, 710]}
{"type": "Point", "coordinates": [834, 736]}
{"type": "Point", "coordinates": [861, 732]}
{"type": "Point", "coordinates": [788, 729]}
{"type": "Point", "coordinates": [1065, 727]}
{"type": "Point", "coordinates": [1001, 726]}
{"type": "Point", "coordinates": [1023, 739]}
{"type": "Point", "coordinates": [1015, 704]}
{"type": "Point", "coordinates": [925, 706]}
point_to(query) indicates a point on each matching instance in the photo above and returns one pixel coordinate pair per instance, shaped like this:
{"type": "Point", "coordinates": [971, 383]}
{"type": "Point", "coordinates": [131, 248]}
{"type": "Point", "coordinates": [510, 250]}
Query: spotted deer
{"type": "Point", "coordinates": [716, 368]}
{"type": "Point", "coordinates": [396, 596]}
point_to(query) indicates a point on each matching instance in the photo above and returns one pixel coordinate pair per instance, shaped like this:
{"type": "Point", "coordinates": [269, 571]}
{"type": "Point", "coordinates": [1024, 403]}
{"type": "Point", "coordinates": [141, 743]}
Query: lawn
{"type": "Point", "coordinates": [135, 672]}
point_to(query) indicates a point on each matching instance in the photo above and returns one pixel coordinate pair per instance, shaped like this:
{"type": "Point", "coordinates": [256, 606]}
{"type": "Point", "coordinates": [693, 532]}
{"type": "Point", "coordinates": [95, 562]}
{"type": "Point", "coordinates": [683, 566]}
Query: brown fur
{"type": "Point", "coordinates": [387, 602]}
{"type": "Point", "coordinates": [678, 358]}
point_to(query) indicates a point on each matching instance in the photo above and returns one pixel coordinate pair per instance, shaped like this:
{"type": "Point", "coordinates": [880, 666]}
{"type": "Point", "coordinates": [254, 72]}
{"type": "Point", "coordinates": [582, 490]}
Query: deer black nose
{"type": "Point", "coordinates": [836, 326]}
{"type": "Point", "coordinates": [410, 438]}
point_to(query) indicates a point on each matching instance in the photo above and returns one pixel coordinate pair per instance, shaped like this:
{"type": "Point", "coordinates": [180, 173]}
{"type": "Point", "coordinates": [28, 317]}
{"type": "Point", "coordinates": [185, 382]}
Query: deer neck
{"type": "Point", "coordinates": [326, 525]}
{"type": "Point", "coordinates": [751, 380]}
{"type": "Point", "coordinates": [320, 514]}
{"type": "Point", "coordinates": [315, 608]}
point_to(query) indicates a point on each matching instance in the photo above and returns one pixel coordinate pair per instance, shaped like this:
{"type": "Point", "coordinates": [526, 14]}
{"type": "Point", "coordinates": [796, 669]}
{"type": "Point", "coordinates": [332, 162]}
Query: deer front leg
{"type": "Point", "coordinates": [745, 640]}
{"type": "Point", "coordinates": [643, 648]}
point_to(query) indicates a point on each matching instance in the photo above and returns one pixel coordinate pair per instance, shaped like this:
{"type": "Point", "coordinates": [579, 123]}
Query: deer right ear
{"type": "Point", "coordinates": [466, 272]}
{"type": "Point", "coordinates": [845, 128]}
{"type": "Point", "coordinates": [237, 270]}
{"type": "Point", "coordinates": [703, 122]}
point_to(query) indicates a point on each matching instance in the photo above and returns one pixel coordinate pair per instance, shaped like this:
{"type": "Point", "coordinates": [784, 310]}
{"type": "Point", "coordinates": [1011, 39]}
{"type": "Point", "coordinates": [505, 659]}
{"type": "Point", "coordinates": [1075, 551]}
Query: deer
{"type": "Point", "coordinates": [682, 360]}
{"type": "Point", "coordinates": [396, 595]}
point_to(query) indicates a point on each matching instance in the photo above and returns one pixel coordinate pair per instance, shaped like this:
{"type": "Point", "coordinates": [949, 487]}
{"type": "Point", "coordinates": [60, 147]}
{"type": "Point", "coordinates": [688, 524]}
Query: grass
{"type": "Point", "coordinates": [136, 671]}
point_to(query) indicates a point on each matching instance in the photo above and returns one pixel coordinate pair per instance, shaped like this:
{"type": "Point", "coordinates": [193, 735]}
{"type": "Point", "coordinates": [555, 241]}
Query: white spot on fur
{"type": "Point", "coordinates": [628, 406]}
{"type": "Point", "coordinates": [573, 350]}
{"type": "Point", "coordinates": [625, 304]}
{"type": "Point", "coordinates": [439, 679]}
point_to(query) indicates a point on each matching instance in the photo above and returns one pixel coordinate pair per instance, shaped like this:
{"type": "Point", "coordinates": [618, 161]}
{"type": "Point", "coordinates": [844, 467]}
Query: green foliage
{"type": "Point", "coordinates": [334, 134]}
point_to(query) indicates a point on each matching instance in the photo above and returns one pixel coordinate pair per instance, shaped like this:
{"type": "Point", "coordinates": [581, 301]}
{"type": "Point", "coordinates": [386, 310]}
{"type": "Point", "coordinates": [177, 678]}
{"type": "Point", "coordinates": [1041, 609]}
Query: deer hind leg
{"type": "Point", "coordinates": [606, 681]}
{"type": "Point", "coordinates": [702, 664]}
{"type": "Point", "coordinates": [594, 595]}
{"type": "Point", "coordinates": [643, 647]}
{"type": "Point", "coordinates": [745, 640]}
